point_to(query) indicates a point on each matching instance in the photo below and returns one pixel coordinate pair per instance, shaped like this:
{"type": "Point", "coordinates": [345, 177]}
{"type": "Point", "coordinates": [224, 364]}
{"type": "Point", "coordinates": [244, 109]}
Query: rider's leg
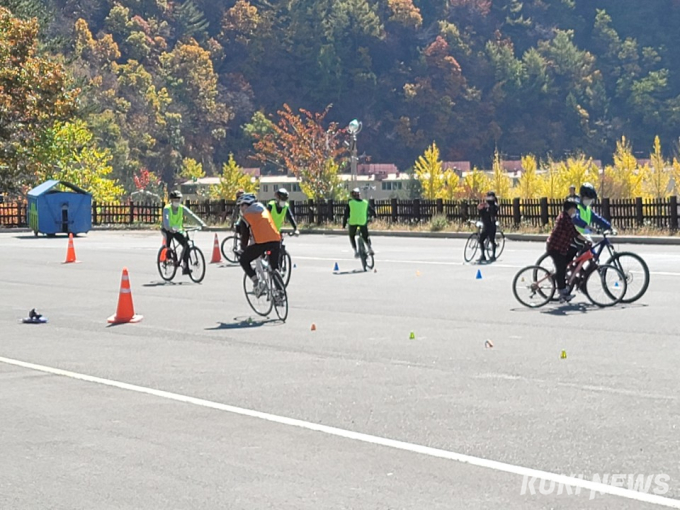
{"type": "Point", "coordinates": [352, 233]}
{"type": "Point", "coordinates": [249, 254]}
{"type": "Point", "coordinates": [492, 240]}
{"type": "Point", "coordinates": [560, 261]}
{"type": "Point", "coordinates": [275, 257]}
{"type": "Point", "coordinates": [364, 234]}
{"type": "Point", "coordinates": [181, 239]}
{"type": "Point", "coordinates": [482, 239]}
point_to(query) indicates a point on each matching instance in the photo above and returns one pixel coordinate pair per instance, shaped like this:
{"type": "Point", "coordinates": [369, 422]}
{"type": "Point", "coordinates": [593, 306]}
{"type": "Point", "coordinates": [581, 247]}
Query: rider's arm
{"type": "Point", "coordinates": [194, 217]}
{"type": "Point", "coordinates": [578, 221]}
{"type": "Point", "coordinates": [600, 221]}
{"type": "Point", "coordinates": [291, 218]}
{"type": "Point", "coordinates": [371, 212]}
{"type": "Point", "coordinates": [345, 216]}
{"type": "Point", "coordinates": [244, 232]}
{"type": "Point", "coordinates": [166, 219]}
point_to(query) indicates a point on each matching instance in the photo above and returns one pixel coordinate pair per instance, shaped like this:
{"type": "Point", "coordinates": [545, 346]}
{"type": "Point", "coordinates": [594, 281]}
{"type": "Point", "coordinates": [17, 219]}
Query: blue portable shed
{"type": "Point", "coordinates": [51, 211]}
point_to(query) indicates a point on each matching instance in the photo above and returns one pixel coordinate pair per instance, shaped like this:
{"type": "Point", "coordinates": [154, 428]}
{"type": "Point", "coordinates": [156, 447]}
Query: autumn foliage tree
{"type": "Point", "coordinates": [300, 144]}
{"type": "Point", "coordinates": [35, 92]}
{"type": "Point", "coordinates": [233, 179]}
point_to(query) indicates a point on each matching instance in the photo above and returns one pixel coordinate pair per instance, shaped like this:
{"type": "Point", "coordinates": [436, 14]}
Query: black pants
{"type": "Point", "coordinates": [257, 250]}
{"type": "Point", "coordinates": [561, 262]}
{"type": "Point", "coordinates": [181, 239]}
{"type": "Point", "coordinates": [488, 232]}
{"type": "Point", "coordinates": [353, 232]}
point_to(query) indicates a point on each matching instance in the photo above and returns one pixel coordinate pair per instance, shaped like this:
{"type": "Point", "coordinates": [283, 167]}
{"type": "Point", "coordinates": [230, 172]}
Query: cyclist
{"type": "Point", "coordinates": [585, 216]}
{"type": "Point", "coordinates": [257, 221]}
{"type": "Point", "coordinates": [173, 225]}
{"type": "Point", "coordinates": [561, 246]}
{"type": "Point", "coordinates": [357, 213]}
{"type": "Point", "coordinates": [236, 214]}
{"type": "Point", "coordinates": [281, 210]}
{"type": "Point", "coordinates": [488, 211]}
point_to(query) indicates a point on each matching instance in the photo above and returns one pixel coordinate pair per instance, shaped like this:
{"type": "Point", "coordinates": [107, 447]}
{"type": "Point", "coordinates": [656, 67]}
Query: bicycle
{"type": "Point", "coordinates": [230, 247]}
{"type": "Point", "coordinates": [630, 264]}
{"type": "Point", "coordinates": [269, 292]}
{"type": "Point", "coordinates": [367, 260]}
{"type": "Point", "coordinates": [285, 262]}
{"type": "Point", "coordinates": [584, 274]}
{"type": "Point", "coordinates": [472, 244]}
{"type": "Point", "coordinates": [168, 261]}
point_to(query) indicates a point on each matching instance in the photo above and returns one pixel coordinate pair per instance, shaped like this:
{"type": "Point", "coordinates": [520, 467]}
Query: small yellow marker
{"type": "Point", "coordinates": [564, 355]}
{"type": "Point", "coordinates": [413, 336]}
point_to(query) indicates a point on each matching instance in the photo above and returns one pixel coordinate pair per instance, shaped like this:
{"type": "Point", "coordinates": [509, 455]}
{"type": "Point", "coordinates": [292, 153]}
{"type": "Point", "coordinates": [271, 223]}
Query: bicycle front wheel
{"type": "Point", "coordinates": [533, 286]}
{"type": "Point", "coordinates": [286, 267]}
{"type": "Point", "coordinates": [635, 269]}
{"type": "Point", "coordinates": [166, 261]}
{"type": "Point", "coordinates": [228, 248]}
{"type": "Point", "coordinates": [258, 297]}
{"type": "Point", "coordinates": [471, 247]}
{"type": "Point", "coordinates": [605, 286]}
{"type": "Point", "coordinates": [279, 296]}
{"type": "Point", "coordinates": [196, 264]}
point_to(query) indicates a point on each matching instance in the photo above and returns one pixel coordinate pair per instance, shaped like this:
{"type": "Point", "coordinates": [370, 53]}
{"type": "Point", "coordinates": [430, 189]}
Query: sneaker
{"type": "Point", "coordinates": [186, 270]}
{"type": "Point", "coordinates": [370, 251]}
{"type": "Point", "coordinates": [565, 296]}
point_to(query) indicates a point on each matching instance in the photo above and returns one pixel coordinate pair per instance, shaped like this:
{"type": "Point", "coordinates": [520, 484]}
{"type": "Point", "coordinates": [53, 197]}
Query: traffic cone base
{"type": "Point", "coordinates": [70, 252]}
{"type": "Point", "coordinates": [126, 310]}
{"type": "Point", "coordinates": [216, 254]}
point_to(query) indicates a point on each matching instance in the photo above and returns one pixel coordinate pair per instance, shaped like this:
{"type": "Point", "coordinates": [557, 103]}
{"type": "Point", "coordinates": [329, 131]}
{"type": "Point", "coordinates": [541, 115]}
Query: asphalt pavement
{"type": "Point", "coordinates": [203, 404]}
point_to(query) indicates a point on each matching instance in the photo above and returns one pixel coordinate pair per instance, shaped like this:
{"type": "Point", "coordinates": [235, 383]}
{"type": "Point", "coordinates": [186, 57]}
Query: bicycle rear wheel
{"type": "Point", "coordinates": [259, 298]}
{"type": "Point", "coordinates": [500, 244]}
{"type": "Point", "coordinates": [279, 296]}
{"type": "Point", "coordinates": [605, 286]}
{"type": "Point", "coordinates": [196, 264]}
{"type": "Point", "coordinates": [228, 247]}
{"type": "Point", "coordinates": [636, 272]}
{"type": "Point", "coordinates": [533, 286]}
{"type": "Point", "coordinates": [471, 247]}
{"type": "Point", "coordinates": [168, 266]}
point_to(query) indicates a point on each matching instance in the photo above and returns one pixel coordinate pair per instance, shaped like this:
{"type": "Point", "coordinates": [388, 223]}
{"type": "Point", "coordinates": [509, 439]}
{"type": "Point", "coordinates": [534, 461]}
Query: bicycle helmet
{"type": "Point", "coordinates": [246, 199]}
{"type": "Point", "coordinates": [569, 203]}
{"type": "Point", "coordinates": [282, 194]}
{"type": "Point", "coordinates": [356, 193]}
{"type": "Point", "coordinates": [588, 191]}
{"type": "Point", "coordinates": [176, 194]}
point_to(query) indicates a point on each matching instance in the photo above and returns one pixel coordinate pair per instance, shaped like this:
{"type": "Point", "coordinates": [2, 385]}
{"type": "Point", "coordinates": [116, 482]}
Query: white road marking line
{"type": "Point", "coordinates": [364, 438]}
{"type": "Point", "coordinates": [437, 263]}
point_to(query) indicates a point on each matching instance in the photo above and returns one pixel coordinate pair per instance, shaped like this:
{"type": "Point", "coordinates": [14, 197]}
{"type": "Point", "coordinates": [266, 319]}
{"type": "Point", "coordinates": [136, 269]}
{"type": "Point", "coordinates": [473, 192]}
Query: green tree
{"type": "Point", "coordinates": [192, 169]}
{"type": "Point", "coordinates": [232, 180]}
{"type": "Point", "coordinates": [658, 181]}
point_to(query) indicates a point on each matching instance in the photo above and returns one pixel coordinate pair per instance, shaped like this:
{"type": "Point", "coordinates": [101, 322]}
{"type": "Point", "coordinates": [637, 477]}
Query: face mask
{"type": "Point", "coordinates": [587, 201]}
{"type": "Point", "coordinates": [573, 215]}
{"type": "Point", "coordinates": [281, 203]}
{"type": "Point", "coordinates": [175, 203]}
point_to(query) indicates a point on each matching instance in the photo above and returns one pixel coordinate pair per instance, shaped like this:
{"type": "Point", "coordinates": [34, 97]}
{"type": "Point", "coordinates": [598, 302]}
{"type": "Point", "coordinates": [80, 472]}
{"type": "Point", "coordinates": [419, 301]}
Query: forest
{"type": "Point", "coordinates": [101, 91]}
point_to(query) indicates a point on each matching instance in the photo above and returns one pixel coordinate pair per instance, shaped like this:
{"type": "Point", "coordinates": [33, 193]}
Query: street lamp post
{"type": "Point", "coordinates": [353, 129]}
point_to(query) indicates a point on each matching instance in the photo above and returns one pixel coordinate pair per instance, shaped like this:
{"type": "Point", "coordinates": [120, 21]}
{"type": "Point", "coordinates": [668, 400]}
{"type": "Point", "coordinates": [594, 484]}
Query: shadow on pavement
{"type": "Point", "coordinates": [354, 271]}
{"type": "Point", "coordinates": [161, 284]}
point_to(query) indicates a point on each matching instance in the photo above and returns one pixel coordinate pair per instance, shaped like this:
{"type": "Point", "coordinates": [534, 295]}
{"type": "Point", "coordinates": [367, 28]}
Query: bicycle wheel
{"type": "Point", "coordinates": [228, 247]}
{"type": "Point", "coordinates": [636, 272]}
{"type": "Point", "coordinates": [168, 267]}
{"type": "Point", "coordinates": [605, 286]}
{"type": "Point", "coordinates": [279, 296]}
{"type": "Point", "coordinates": [259, 299]}
{"type": "Point", "coordinates": [500, 243]}
{"type": "Point", "coordinates": [533, 286]}
{"type": "Point", "coordinates": [196, 264]}
{"type": "Point", "coordinates": [286, 267]}
{"type": "Point", "coordinates": [471, 247]}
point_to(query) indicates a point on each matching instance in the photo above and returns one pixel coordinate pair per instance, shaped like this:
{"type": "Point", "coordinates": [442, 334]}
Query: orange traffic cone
{"type": "Point", "coordinates": [126, 310]}
{"type": "Point", "coordinates": [71, 252]}
{"type": "Point", "coordinates": [313, 327]}
{"type": "Point", "coordinates": [216, 257]}
{"type": "Point", "coordinates": [164, 251]}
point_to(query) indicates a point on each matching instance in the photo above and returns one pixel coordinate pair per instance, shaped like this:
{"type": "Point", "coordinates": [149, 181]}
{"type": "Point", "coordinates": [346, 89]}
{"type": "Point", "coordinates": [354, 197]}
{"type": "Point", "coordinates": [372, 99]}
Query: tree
{"type": "Point", "coordinates": [529, 183]}
{"type": "Point", "coordinates": [430, 172]}
{"type": "Point", "coordinates": [476, 184]}
{"type": "Point", "coordinates": [624, 179]}
{"type": "Point", "coordinates": [191, 169]}
{"type": "Point", "coordinates": [300, 144]}
{"type": "Point", "coordinates": [68, 152]}
{"type": "Point", "coordinates": [35, 92]}
{"type": "Point", "coordinates": [658, 182]}
{"type": "Point", "coordinates": [233, 179]}
{"type": "Point", "coordinates": [500, 182]}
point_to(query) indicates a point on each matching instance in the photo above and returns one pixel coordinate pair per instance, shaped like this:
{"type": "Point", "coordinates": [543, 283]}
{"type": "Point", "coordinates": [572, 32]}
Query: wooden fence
{"type": "Point", "coordinates": [624, 214]}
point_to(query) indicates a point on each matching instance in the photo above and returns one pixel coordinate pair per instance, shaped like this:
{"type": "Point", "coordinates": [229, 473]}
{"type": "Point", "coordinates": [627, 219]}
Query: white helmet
{"type": "Point", "coordinates": [246, 199]}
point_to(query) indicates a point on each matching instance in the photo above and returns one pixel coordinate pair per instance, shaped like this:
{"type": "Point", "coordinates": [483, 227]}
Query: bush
{"type": "Point", "coordinates": [438, 223]}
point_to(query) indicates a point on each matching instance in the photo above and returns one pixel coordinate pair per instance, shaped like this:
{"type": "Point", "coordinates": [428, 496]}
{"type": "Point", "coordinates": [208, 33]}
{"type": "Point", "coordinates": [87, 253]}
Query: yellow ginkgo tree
{"type": "Point", "coordinates": [429, 171]}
